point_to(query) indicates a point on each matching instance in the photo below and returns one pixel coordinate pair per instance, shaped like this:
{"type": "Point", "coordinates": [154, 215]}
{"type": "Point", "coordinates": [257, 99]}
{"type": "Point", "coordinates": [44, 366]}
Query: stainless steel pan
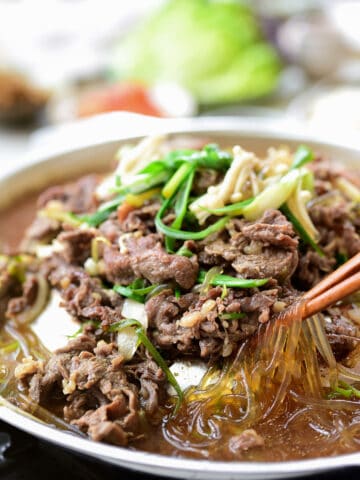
{"type": "Point", "coordinates": [94, 149]}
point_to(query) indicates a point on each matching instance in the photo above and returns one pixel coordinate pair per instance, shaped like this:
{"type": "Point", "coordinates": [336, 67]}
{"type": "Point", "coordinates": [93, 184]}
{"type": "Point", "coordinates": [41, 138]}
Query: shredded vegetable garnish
{"type": "Point", "coordinates": [229, 281]}
{"type": "Point", "coordinates": [273, 196]}
{"type": "Point", "coordinates": [235, 209]}
{"type": "Point", "coordinates": [177, 179]}
{"type": "Point", "coordinates": [138, 200]}
{"type": "Point", "coordinates": [182, 234]}
{"type": "Point", "coordinates": [305, 237]}
{"type": "Point", "coordinates": [302, 156]}
{"type": "Point", "coordinates": [143, 338]}
{"type": "Point", "coordinates": [136, 290]}
{"type": "Point", "coordinates": [185, 252]}
{"type": "Point", "coordinates": [16, 265]}
{"type": "Point", "coordinates": [344, 389]}
{"type": "Point", "coordinates": [181, 203]}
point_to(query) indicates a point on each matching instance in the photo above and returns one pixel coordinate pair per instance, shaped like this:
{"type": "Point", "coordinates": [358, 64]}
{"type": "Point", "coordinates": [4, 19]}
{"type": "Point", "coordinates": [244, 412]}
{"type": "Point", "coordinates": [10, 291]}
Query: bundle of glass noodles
{"type": "Point", "coordinates": [289, 361]}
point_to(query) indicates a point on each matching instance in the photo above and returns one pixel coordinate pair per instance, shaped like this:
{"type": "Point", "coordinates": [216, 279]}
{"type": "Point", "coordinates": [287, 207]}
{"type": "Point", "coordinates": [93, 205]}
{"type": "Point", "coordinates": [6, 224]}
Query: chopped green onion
{"type": "Point", "coordinates": [273, 196]}
{"type": "Point", "coordinates": [181, 203]}
{"type": "Point", "coordinates": [305, 237]}
{"type": "Point", "coordinates": [344, 389]}
{"type": "Point", "coordinates": [185, 252]}
{"type": "Point", "coordinates": [209, 157]}
{"type": "Point", "coordinates": [308, 181]}
{"type": "Point", "coordinates": [232, 316]}
{"type": "Point", "coordinates": [182, 234]}
{"type": "Point", "coordinates": [302, 156]}
{"type": "Point", "coordinates": [208, 278]}
{"type": "Point", "coordinates": [229, 281]}
{"type": "Point", "coordinates": [177, 292]}
{"type": "Point", "coordinates": [233, 210]}
{"type": "Point", "coordinates": [176, 180]}
{"type": "Point", "coordinates": [143, 338]}
{"type": "Point", "coordinates": [137, 294]}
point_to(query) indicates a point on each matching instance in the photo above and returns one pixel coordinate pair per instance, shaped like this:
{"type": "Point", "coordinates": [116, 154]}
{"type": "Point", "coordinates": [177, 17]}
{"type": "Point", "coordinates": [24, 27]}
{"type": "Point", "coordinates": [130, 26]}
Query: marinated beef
{"type": "Point", "coordinates": [146, 258]}
{"type": "Point", "coordinates": [77, 197]}
{"type": "Point", "coordinates": [267, 248]}
{"type": "Point", "coordinates": [100, 400]}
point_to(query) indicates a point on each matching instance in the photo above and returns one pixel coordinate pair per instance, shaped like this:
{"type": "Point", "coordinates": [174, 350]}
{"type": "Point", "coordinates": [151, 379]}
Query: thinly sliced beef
{"type": "Point", "coordinates": [152, 381]}
{"type": "Point", "coordinates": [10, 288]}
{"type": "Point", "coordinates": [77, 245]}
{"type": "Point", "coordinates": [193, 324]}
{"type": "Point", "coordinates": [146, 258]}
{"type": "Point", "coordinates": [343, 334]}
{"type": "Point", "coordinates": [100, 399]}
{"type": "Point", "coordinates": [77, 197]}
{"type": "Point", "coordinates": [29, 292]}
{"type": "Point", "coordinates": [42, 229]}
{"type": "Point", "coordinates": [83, 296]}
{"type": "Point", "coordinates": [267, 248]}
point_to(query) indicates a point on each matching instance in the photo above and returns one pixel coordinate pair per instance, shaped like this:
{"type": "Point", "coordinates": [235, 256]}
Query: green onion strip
{"type": "Point", "coordinates": [143, 338]}
{"type": "Point", "coordinates": [234, 282]}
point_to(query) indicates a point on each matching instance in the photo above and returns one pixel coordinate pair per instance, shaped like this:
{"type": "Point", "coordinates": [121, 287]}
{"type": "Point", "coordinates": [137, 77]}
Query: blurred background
{"type": "Point", "coordinates": [61, 60]}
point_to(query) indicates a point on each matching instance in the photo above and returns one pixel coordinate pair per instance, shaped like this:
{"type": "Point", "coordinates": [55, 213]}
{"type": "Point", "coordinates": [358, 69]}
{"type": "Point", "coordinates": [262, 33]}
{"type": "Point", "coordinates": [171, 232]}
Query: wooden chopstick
{"type": "Point", "coordinates": [342, 282]}
{"type": "Point", "coordinates": [337, 292]}
{"type": "Point", "coordinates": [346, 270]}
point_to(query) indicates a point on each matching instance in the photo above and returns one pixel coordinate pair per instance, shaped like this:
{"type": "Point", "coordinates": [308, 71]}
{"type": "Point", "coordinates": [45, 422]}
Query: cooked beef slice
{"type": "Point", "coordinates": [342, 333]}
{"type": "Point", "coordinates": [146, 258]}
{"type": "Point", "coordinates": [83, 296]}
{"type": "Point", "coordinates": [29, 292]}
{"type": "Point", "coordinates": [77, 245]}
{"type": "Point", "coordinates": [10, 288]}
{"type": "Point", "coordinates": [193, 323]}
{"type": "Point", "coordinates": [99, 398]}
{"type": "Point", "coordinates": [267, 248]}
{"type": "Point", "coordinates": [76, 197]}
{"type": "Point", "coordinates": [152, 382]}
{"type": "Point", "coordinates": [141, 219]}
{"type": "Point", "coordinates": [338, 235]}
{"type": "Point", "coordinates": [42, 229]}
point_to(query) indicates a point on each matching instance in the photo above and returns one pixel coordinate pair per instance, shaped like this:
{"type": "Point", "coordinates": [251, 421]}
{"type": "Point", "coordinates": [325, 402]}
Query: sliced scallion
{"type": "Point", "coordinates": [137, 294]}
{"type": "Point", "coordinates": [234, 282]}
{"type": "Point", "coordinates": [302, 156]}
{"type": "Point", "coordinates": [181, 203]}
{"type": "Point", "coordinates": [234, 209]}
{"type": "Point", "coordinates": [182, 234]}
{"type": "Point", "coordinates": [184, 252]}
{"type": "Point", "coordinates": [144, 339]}
{"type": "Point", "coordinates": [305, 237]}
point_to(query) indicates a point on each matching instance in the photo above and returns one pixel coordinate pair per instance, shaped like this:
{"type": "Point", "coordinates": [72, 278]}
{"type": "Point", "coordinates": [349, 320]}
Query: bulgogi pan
{"type": "Point", "coordinates": [170, 267]}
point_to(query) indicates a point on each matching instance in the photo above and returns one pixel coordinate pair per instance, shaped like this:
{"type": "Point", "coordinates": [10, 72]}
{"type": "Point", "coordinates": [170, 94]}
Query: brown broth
{"type": "Point", "coordinates": [14, 221]}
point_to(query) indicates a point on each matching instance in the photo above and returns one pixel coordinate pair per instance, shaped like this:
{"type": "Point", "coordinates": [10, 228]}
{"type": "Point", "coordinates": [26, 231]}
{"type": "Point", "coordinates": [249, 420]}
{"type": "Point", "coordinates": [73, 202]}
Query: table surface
{"type": "Point", "coordinates": [23, 457]}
